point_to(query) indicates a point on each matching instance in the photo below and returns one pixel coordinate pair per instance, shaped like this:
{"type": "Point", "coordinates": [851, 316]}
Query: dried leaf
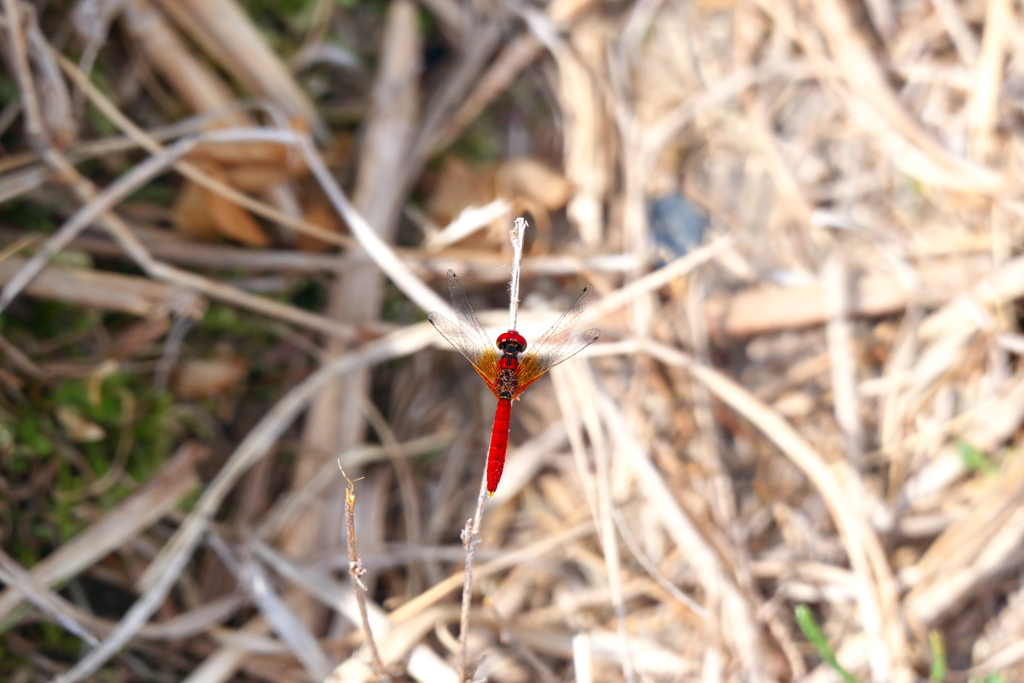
{"type": "Point", "coordinates": [534, 180]}
{"type": "Point", "coordinates": [460, 185]}
{"type": "Point", "coordinates": [205, 215]}
{"type": "Point", "coordinates": [208, 378]}
{"type": "Point", "coordinates": [321, 214]}
{"type": "Point", "coordinates": [77, 428]}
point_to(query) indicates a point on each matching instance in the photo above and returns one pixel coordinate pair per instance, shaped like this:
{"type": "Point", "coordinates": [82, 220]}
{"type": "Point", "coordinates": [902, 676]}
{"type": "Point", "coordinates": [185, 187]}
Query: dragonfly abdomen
{"type": "Point", "coordinates": [499, 444]}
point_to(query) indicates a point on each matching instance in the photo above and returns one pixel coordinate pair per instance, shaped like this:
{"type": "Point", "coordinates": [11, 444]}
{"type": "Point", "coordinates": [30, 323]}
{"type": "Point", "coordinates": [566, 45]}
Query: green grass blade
{"type": "Point", "coordinates": [939, 665]}
{"type": "Point", "coordinates": [813, 633]}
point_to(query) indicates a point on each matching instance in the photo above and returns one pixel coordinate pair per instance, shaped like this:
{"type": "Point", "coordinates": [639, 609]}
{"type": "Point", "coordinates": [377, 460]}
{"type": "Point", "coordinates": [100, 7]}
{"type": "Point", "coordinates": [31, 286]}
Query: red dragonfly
{"type": "Point", "coordinates": [505, 374]}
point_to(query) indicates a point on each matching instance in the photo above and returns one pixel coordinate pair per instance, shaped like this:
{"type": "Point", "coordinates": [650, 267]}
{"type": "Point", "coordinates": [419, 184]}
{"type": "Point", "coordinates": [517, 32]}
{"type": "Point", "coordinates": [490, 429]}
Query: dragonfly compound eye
{"type": "Point", "coordinates": [513, 339]}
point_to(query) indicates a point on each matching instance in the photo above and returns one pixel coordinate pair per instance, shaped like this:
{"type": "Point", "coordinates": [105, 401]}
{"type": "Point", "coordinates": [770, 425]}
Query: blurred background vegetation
{"type": "Point", "coordinates": [793, 455]}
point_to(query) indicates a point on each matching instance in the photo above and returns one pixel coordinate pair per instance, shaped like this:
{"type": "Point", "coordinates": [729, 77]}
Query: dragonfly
{"type": "Point", "coordinates": [506, 375]}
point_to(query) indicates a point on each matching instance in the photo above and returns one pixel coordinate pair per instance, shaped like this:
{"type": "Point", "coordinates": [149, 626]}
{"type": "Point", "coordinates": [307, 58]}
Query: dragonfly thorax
{"type": "Point", "coordinates": [511, 344]}
{"type": "Point", "coordinates": [507, 380]}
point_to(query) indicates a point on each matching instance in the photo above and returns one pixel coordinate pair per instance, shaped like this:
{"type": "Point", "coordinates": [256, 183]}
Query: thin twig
{"type": "Point", "coordinates": [35, 129]}
{"type": "Point", "coordinates": [470, 537]}
{"type": "Point", "coordinates": [471, 532]}
{"type": "Point", "coordinates": [50, 604]}
{"type": "Point", "coordinates": [517, 234]}
{"type": "Point", "coordinates": [840, 340]}
{"type": "Point", "coordinates": [356, 570]}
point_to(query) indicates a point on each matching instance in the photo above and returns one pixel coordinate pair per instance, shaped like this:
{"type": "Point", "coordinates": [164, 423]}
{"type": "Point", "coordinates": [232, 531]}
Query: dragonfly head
{"type": "Point", "coordinates": [511, 343]}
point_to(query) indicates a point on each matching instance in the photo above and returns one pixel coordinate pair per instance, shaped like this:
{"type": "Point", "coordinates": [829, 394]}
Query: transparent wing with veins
{"type": "Point", "coordinates": [467, 334]}
{"type": "Point", "coordinates": [557, 344]}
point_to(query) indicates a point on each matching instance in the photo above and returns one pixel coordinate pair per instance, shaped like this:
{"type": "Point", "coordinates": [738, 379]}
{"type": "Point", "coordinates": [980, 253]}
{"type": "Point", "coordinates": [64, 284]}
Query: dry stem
{"type": "Point", "coordinates": [470, 537]}
{"type": "Point", "coordinates": [356, 570]}
{"type": "Point", "coordinates": [517, 234]}
{"type": "Point", "coordinates": [471, 533]}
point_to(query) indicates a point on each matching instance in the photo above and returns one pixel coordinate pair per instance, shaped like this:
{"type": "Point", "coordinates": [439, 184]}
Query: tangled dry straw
{"type": "Point", "coordinates": [813, 401]}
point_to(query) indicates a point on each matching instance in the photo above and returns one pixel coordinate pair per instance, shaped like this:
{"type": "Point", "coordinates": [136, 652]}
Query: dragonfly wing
{"type": "Point", "coordinates": [464, 312]}
{"type": "Point", "coordinates": [468, 335]}
{"type": "Point", "coordinates": [558, 343]}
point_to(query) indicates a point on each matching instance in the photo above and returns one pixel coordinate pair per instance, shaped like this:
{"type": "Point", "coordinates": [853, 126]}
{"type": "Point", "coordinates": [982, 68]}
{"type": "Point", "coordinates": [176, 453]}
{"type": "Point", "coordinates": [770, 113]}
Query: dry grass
{"type": "Point", "coordinates": [222, 227]}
